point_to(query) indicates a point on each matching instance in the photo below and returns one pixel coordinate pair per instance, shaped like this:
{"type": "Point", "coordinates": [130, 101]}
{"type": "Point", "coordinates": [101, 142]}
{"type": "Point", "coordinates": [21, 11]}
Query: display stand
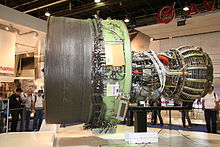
{"type": "Point", "coordinates": [141, 115]}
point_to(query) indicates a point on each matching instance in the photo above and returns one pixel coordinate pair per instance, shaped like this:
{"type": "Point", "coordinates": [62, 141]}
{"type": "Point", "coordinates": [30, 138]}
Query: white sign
{"type": "Point", "coordinates": [112, 89]}
{"type": "Point", "coordinates": [7, 56]}
{"type": "Point", "coordinates": [141, 137]}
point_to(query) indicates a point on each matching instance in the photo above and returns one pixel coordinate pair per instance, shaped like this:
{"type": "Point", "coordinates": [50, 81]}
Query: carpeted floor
{"type": "Point", "coordinates": [197, 128]}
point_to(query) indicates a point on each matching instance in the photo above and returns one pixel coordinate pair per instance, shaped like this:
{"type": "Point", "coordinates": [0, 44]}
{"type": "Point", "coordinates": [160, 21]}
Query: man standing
{"type": "Point", "coordinates": [210, 105]}
{"type": "Point", "coordinates": [155, 113]}
{"type": "Point", "coordinates": [185, 114]}
{"type": "Point", "coordinates": [37, 104]}
{"type": "Point", "coordinates": [15, 106]}
{"type": "Point", "coordinates": [28, 97]}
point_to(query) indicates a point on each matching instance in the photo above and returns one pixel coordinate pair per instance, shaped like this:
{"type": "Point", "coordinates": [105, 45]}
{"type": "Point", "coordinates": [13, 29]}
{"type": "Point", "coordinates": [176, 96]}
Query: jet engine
{"type": "Point", "coordinates": [91, 74]}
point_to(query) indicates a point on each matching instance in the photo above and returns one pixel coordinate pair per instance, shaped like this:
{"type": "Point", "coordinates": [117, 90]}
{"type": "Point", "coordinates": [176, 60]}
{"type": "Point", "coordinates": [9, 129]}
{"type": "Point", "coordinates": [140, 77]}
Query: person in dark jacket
{"type": "Point", "coordinates": [14, 105]}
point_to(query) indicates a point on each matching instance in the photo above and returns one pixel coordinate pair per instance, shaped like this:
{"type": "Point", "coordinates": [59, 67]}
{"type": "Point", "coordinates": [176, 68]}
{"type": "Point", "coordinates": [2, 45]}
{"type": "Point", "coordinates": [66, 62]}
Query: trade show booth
{"type": "Point", "coordinates": [105, 83]}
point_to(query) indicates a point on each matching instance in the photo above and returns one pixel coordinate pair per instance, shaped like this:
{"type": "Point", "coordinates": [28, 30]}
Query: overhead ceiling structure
{"type": "Point", "coordinates": [26, 39]}
{"type": "Point", "coordinates": [195, 25]}
{"type": "Point", "coordinates": [29, 33]}
{"type": "Point", "coordinates": [139, 12]}
{"type": "Point", "coordinates": [28, 29]}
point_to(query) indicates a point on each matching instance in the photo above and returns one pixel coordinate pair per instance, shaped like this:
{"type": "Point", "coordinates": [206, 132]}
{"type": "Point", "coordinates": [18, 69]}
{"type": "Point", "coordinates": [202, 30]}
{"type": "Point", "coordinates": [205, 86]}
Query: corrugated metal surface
{"type": "Point", "coordinates": [68, 70]}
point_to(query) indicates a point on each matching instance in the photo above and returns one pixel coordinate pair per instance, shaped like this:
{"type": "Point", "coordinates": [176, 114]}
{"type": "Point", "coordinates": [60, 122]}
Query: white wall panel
{"type": "Point", "coordinates": [177, 42]}
{"type": "Point", "coordinates": [155, 46]}
{"type": "Point", "coordinates": [7, 56]}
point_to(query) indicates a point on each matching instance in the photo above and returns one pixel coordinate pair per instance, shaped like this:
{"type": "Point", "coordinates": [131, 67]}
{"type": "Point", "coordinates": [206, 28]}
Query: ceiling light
{"type": "Point", "coordinates": [35, 35]}
{"type": "Point", "coordinates": [47, 14]}
{"type": "Point", "coordinates": [27, 54]}
{"type": "Point", "coordinates": [7, 28]}
{"type": "Point", "coordinates": [126, 20]}
{"type": "Point", "coordinates": [186, 8]}
{"type": "Point", "coordinates": [97, 1]}
{"type": "Point", "coordinates": [151, 39]}
{"type": "Point", "coordinates": [96, 16]}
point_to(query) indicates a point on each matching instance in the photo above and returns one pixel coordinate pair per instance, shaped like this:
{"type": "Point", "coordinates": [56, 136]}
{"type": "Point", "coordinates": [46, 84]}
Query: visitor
{"type": "Point", "coordinates": [185, 114]}
{"type": "Point", "coordinates": [38, 105]}
{"type": "Point", "coordinates": [210, 105]}
{"type": "Point", "coordinates": [15, 106]}
{"type": "Point", "coordinates": [28, 97]}
{"type": "Point", "coordinates": [155, 113]}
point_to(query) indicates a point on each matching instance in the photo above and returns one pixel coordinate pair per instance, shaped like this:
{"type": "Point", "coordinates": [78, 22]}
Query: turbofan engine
{"type": "Point", "coordinates": [91, 74]}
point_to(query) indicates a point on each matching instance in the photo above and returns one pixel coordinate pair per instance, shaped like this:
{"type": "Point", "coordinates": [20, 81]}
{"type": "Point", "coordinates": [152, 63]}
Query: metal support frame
{"type": "Point", "coordinates": [6, 126]}
{"type": "Point", "coordinates": [7, 121]}
{"type": "Point", "coordinates": [23, 119]}
{"type": "Point", "coordinates": [170, 123]}
{"type": "Point", "coordinates": [140, 124]}
{"type": "Point", "coordinates": [141, 115]}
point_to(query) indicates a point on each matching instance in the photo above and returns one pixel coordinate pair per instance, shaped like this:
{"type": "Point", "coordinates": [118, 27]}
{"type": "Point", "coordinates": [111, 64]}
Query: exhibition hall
{"type": "Point", "coordinates": [109, 73]}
